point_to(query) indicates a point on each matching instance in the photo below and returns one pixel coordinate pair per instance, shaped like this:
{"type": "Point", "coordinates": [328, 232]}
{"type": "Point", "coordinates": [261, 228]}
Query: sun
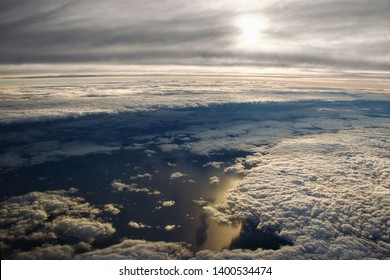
{"type": "Point", "coordinates": [250, 31]}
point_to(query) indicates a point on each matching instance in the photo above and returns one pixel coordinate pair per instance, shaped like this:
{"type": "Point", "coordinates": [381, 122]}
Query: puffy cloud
{"type": "Point", "coordinates": [50, 216]}
{"type": "Point", "coordinates": [325, 192]}
{"type": "Point", "coordinates": [169, 227]}
{"type": "Point", "coordinates": [214, 180]}
{"type": "Point", "coordinates": [71, 101]}
{"type": "Point", "coordinates": [47, 252]}
{"type": "Point", "coordinates": [177, 175]}
{"type": "Point", "coordinates": [83, 247]}
{"type": "Point", "coordinates": [81, 228]}
{"type": "Point", "coordinates": [201, 201]}
{"type": "Point", "coordinates": [112, 208]}
{"type": "Point", "coordinates": [317, 170]}
{"type": "Point", "coordinates": [168, 203]}
{"type": "Point", "coordinates": [149, 153]}
{"type": "Point", "coordinates": [120, 186]}
{"type": "Point", "coordinates": [169, 148]}
{"type": "Point", "coordinates": [29, 214]}
{"type": "Point", "coordinates": [141, 176]}
{"type": "Point", "coordinates": [138, 225]}
{"type": "Point", "coordinates": [140, 250]}
{"type": "Point", "coordinates": [215, 164]}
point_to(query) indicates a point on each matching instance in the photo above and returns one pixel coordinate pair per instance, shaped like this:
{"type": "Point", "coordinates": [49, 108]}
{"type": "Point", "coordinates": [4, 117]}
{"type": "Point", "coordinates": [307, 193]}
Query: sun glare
{"type": "Point", "coordinates": [251, 29]}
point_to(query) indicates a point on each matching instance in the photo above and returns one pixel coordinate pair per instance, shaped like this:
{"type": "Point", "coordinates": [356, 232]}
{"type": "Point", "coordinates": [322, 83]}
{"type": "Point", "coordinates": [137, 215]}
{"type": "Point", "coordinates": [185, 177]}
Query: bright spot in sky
{"type": "Point", "coordinates": [251, 29]}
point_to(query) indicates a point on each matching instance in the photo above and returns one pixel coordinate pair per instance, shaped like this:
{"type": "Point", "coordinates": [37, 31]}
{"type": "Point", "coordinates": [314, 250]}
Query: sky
{"type": "Point", "coordinates": [331, 35]}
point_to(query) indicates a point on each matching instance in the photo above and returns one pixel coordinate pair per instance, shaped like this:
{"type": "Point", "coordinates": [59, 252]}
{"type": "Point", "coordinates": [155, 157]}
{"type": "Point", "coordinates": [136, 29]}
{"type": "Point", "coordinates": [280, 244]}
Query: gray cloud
{"type": "Point", "coordinates": [140, 250]}
{"type": "Point", "coordinates": [112, 208]}
{"type": "Point", "coordinates": [50, 216]}
{"type": "Point", "coordinates": [47, 252]}
{"type": "Point", "coordinates": [44, 151]}
{"type": "Point", "coordinates": [347, 34]}
{"type": "Point", "coordinates": [318, 172]}
{"type": "Point", "coordinates": [120, 186]}
{"type": "Point", "coordinates": [326, 193]}
{"type": "Point", "coordinates": [177, 175]}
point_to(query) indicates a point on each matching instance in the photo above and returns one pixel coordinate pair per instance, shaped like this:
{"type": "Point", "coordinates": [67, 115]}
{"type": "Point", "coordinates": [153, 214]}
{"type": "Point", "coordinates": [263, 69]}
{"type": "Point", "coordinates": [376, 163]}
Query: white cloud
{"type": "Point", "coordinates": [149, 153]}
{"type": "Point", "coordinates": [201, 201]}
{"type": "Point", "coordinates": [81, 228]}
{"type": "Point", "coordinates": [120, 186]}
{"type": "Point", "coordinates": [168, 203]}
{"type": "Point", "coordinates": [40, 152]}
{"type": "Point", "coordinates": [140, 250]}
{"type": "Point", "coordinates": [60, 102]}
{"type": "Point", "coordinates": [112, 208]}
{"type": "Point", "coordinates": [138, 225]}
{"type": "Point", "coordinates": [142, 176]}
{"type": "Point", "coordinates": [322, 180]}
{"type": "Point", "coordinates": [169, 227]}
{"type": "Point", "coordinates": [214, 180]}
{"type": "Point", "coordinates": [50, 216]}
{"type": "Point", "coordinates": [215, 164]}
{"type": "Point", "coordinates": [169, 148]}
{"type": "Point", "coordinates": [47, 252]}
{"type": "Point", "coordinates": [326, 193]}
{"type": "Point", "coordinates": [177, 175]}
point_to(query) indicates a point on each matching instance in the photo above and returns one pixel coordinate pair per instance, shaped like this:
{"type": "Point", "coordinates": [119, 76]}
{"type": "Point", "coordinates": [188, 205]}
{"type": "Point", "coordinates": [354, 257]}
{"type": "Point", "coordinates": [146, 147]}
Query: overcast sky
{"type": "Point", "coordinates": [324, 34]}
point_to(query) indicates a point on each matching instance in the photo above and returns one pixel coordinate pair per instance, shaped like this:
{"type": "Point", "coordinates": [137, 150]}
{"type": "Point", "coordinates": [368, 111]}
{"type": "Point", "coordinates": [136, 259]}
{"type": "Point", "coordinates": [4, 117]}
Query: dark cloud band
{"type": "Point", "coordinates": [345, 35]}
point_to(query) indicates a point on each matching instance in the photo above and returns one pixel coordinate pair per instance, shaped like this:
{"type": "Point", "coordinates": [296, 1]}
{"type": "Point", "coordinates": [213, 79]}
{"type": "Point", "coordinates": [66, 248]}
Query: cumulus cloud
{"type": "Point", "coordinates": [112, 208]}
{"type": "Point", "coordinates": [81, 228]}
{"type": "Point", "coordinates": [169, 227]}
{"type": "Point", "coordinates": [50, 216]}
{"type": "Point", "coordinates": [70, 102]}
{"type": "Point", "coordinates": [325, 193]}
{"type": "Point", "coordinates": [214, 180]}
{"type": "Point", "coordinates": [215, 164]}
{"type": "Point", "coordinates": [177, 175]}
{"type": "Point", "coordinates": [169, 148]}
{"type": "Point", "coordinates": [47, 252]}
{"type": "Point", "coordinates": [317, 170]}
{"type": "Point", "coordinates": [149, 153]}
{"type": "Point", "coordinates": [201, 201]}
{"type": "Point", "coordinates": [124, 250]}
{"type": "Point", "coordinates": [168, 203]}
{"type": "Point", "coordinates": [138, 225]}
{"type": "Point", "coordinates": [120, 186]}
{"type": "Point", "coordinates": [140, 250]}
{"type": "Point", "coordinates": [141, 176]}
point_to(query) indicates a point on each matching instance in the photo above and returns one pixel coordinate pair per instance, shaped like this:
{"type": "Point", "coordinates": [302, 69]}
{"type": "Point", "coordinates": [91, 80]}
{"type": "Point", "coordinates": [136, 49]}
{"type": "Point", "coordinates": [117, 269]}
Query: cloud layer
{"type": "Point", "coordinates": [349, 34]}
{"type": "Point", "coordinates": [52, 216]}
{"type": "Point", "coordinates": [76, 98]}
{"type": "Point", "coordinates": [314, 164]}
{"type": "Point", "coordinates": [327, 193]}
